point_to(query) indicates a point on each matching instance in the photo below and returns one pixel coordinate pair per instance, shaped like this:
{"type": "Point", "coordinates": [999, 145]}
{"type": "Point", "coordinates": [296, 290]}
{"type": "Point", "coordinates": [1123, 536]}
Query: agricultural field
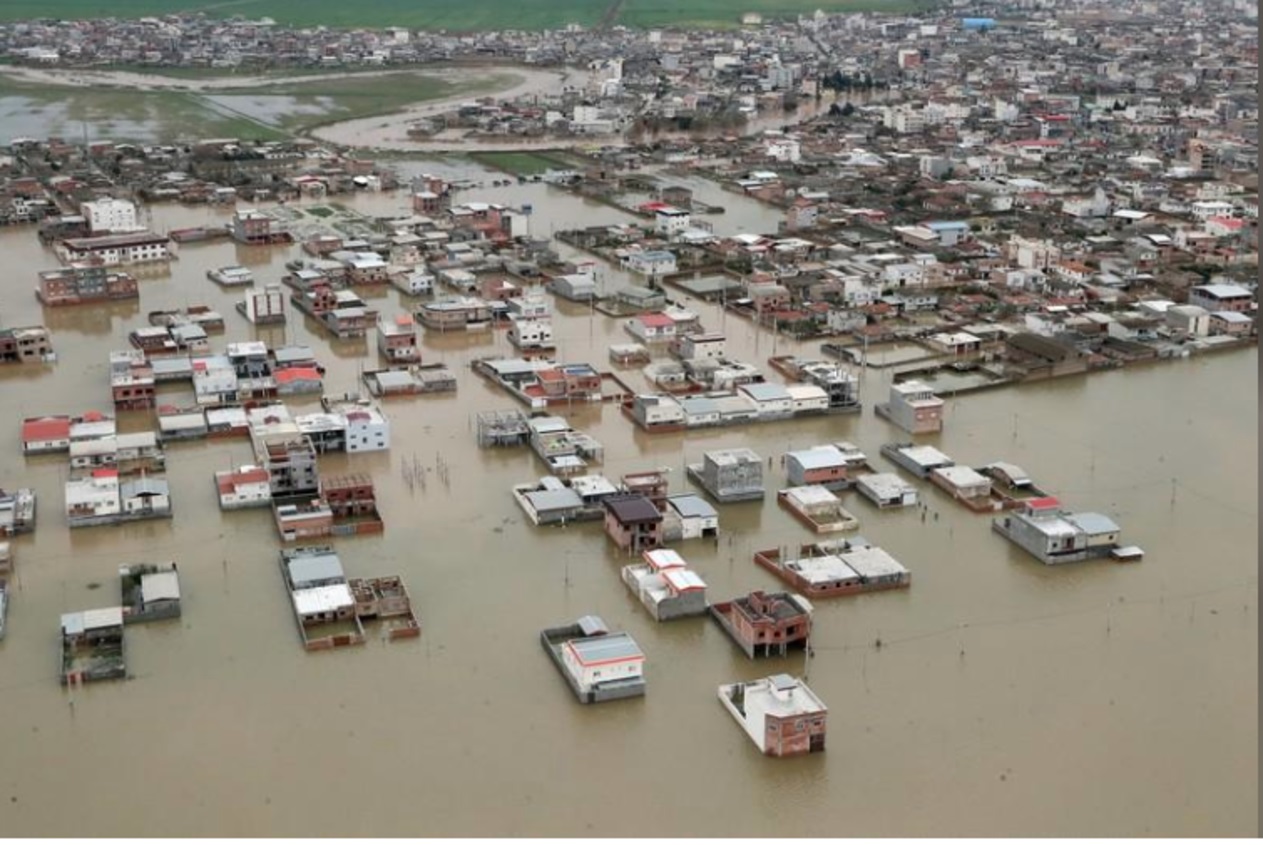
{"type": "Point", "coordinates": [286, 107]}
{"type": "Point", "coordinates": [460, 15]}
{"type": "Point", "coordinates": [36, 110]}
{"type": "Point", "coordinates": [523, 163]}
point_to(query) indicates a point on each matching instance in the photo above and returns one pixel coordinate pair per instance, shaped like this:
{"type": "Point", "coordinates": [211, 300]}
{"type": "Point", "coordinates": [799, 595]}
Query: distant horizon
{"type": "Point", "coordinates": [459, 16]}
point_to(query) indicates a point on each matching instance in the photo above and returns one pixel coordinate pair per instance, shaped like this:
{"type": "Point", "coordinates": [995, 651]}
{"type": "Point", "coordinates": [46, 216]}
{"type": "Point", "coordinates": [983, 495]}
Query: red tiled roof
{"type": "Point", "coordinates": [655, 321]}
{"type": "Point", "coordinates": [46, 428]}
{"type": "Point", "coordinates": [292, 374]}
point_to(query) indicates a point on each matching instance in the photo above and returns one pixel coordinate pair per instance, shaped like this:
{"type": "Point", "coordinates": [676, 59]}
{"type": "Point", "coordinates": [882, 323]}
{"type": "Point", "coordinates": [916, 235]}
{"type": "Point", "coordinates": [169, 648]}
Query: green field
{"type": "Point", "coordinates": [461, 15]}
{"type": "Point", "coordinates": [288, 106]}
{"type": "Point", "coordinates": [523, 163]}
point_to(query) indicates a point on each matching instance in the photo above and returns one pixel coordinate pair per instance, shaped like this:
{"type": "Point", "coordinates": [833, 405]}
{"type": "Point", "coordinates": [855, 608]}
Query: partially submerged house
{"type": "Point", "coordinates": [918, 460]}
{"type": "Point", "coordinates": [322, 601]}
{"type": "Point", "coordinates": [244, 487]}
{"type": "Point", "coordinates": [665, 585]}
{"type": "Point", "coordinates": [818, 509]}
{"type": "Point", "coordinates": [887, 490]}
{"type": "Point", "coordinates": [149, 592]}
{"type": "Point", "coordinates": [92, 646]}
{"type": "Point", "coordinates": [1010, 484]}
{"type": "Point", "coordinates": [779, 713]}
{"type": "Point", "coordinates": [729, 475]}
{"type": "Point", "coordinates": [835, 568]}
{"type": "Point", "coordinates": [633, 523]}
{"type": "Point", "coordinates": [17, 512]}
{"type": "Point", "coordinates": [689, 517]}
{"type": "Point", "coordinates": [553, 500]}
{"type": "Point", "coordinates": [101, 499]}
{"type": "Point", "coordinates": [834, 466]}
{"type": "Point", "coordinates": [913, 407]}
{"type": "Point", "coordinates": [1052, 535]}
{"type": "Point", "coordinates": [967, 486]}
{"type": "Point", "coordinates": [599, 665]}
{"type": "Point", "coordinates": [331, 610]}
{"type": "Point", "coordinates": [763, 624]}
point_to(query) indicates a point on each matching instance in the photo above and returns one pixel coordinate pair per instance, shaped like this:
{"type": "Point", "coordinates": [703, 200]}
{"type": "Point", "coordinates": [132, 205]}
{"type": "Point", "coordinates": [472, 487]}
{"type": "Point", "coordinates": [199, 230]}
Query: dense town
{"type": "Point", "coordinates": [974, 198]}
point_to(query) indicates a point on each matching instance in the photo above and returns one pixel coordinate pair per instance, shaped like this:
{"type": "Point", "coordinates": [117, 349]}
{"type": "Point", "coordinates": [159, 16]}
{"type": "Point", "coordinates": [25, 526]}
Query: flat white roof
{"type": "Point", "coordinates": [781, 696]}
{"type": "Point", "coordinates": [926, 456]}
{"type": "Point", "coordinates": [325, 599]}
{"type": "Point", "coordinates": [818, 457]}
{"type": "Point", "coordinates": [872, 562]}
{"type": "Point", "coordinates": [810, 494]}
{"type": "Point", "coordinates": [158, 586]}
{"type": "Point", "coordinates": [662, 559]}
{"type": "Point", "coordinates": [961, 476]}
{"type": "Point", "coordinates": [885, 484]}
{"type": "Point", "coordinates": [683, 580]}
{"type": "Point", "coordinates": [823, 569]}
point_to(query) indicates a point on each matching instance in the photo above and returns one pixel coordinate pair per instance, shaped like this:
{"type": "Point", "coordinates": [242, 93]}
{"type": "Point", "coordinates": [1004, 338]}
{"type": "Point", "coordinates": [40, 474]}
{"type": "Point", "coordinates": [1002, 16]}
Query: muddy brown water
{"type": "Point", "coordinates": [1007, 697]}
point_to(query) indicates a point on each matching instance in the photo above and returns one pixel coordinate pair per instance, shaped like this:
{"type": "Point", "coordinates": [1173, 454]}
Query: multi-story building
{"type": "Point", "coordinates": [84, 282]}
{"type": "Point", "coordinates": [763, 624]}
{"type": "Point", "coordinates": [397, 340]}
{"type": "Point", "coordinates": [110, 216]}
{"type": "Point", "coordinates": [112, 250]}
{"type": "Point", "coordinates": [633, 523]}
{"type": "Point", "coordinates": [25, 345]}
{"type": "Point", "coordinates": [913, 407]}
{"type": "Point", "coordinates": [781, 714]}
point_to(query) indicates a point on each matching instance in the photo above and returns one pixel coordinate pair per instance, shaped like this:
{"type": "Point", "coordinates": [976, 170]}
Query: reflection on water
{"type": "Point", "coordinates": [991, 665]}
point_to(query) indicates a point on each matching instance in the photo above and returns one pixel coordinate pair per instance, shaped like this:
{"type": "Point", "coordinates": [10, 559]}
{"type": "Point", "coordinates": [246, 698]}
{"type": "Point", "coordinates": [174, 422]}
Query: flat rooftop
{"type": "Point", "coordinates": [781, 696]}
{"type": "Point", "coordinates": [926, 456]}
{"type": "Point", "coordinates": [885, 484]}
{"type": "Point", "coordinates": [823, 569]}
{"type": "Point", "coordinates": [609, 648]}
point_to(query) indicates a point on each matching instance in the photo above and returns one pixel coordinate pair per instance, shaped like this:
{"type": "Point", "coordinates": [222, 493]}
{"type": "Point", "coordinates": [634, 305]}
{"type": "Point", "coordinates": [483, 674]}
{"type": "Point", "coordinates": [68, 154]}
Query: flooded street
{"type": "Point", "coordinates": [1005, 697]}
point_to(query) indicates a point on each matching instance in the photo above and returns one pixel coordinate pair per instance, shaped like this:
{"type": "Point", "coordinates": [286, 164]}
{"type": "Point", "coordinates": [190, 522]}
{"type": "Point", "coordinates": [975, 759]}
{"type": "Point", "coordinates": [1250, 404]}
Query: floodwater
{"type": "Point", "coordinates": [269, 108]}
{"type": "Point", "coordinates": [1006, 698]}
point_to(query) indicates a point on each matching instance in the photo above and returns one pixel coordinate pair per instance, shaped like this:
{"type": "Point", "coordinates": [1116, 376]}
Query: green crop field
{"type": "Point", "coordinates": [460, 15]}
{"type": "Point", "coordinates": [523, 163]}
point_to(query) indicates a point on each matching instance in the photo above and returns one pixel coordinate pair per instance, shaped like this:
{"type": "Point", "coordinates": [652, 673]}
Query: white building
{"type": "Point", "coordinates": [93, 498]}
{"type": "Point", "coordinates": [654, 262]}
{"type": "Point", "coordinates": [701, 346]}
{"type": "Point", "coordinates": [666, 586]}
{"type": "Point", "coordinates": [1188, 319]}
{"type": "Point", "coordinates": [531, 333]}
{"type": "Point", "coordinates": [245, 487]}
{"type": "Point", "coordinates": [265, 306]}
{"type": "Point", "coordinates": [110, 216]}
{"type": "Point", "coordinates": [913, 407]}
{"type": "Point", "coordinates": [367, 429]}
{"type": "Point", "coordinates": [784, 149]}
{"type": "Point", "coordinates": [697, 518]}
{"type": "Point", "coordinates": [671, 221]}
{"type": "Point", "coordinates": [780, 714]}
{"type": "Point", "coordinates": [886, 490]}
{"type": "Point", "coordinates": [593, 661]}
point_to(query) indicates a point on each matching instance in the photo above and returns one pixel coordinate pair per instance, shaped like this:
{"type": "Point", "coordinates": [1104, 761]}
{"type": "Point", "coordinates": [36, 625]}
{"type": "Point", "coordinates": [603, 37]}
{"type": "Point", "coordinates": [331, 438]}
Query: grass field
{"type": "Point", "coordinates": [460, 15]}
{"type": "Point", "coordinates": [522, 164]}
{"type": "Point", "coordinates": [287, 107]}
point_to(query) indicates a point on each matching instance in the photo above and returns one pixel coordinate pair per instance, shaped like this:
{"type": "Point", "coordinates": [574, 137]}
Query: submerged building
{"type": "Point", "coordinates": [779, 713]}
{"type": "Point", "coordinates": [1053, 535]}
